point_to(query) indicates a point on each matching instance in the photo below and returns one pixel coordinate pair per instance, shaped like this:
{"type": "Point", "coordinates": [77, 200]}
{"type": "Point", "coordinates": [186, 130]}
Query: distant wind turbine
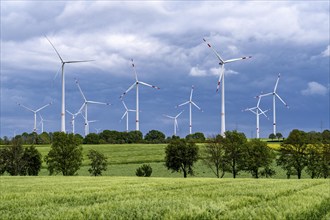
{"type": "Point", "coordinates": [35, 113]}
{"type": "Point", "coordinates": [190, 102]}
{"type": "Point", "coordinates": [63, 83]}
{"type": "Point", "coordinates": [274, 94]}
{"type": "Point", "coordinates": [136, 84]}
{"type": "Point", "coordinates": [85, 107]}
{"type": "Point", "coordinates": [222, 63]}
{"type": "Point", "coordinates": [127, 110]}
{"type": "Point", "coordinates": [175, 121]}
{"type": "Point", "coordinates": [257, 111]}
{"type": "Point", "coordinates": [42, 120]}
{"type": "Point", "coordinates": [73, 118]}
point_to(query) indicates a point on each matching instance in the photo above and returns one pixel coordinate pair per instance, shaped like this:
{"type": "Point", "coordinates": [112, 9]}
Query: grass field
{"type": "Point", "coordinates": [162, 198]}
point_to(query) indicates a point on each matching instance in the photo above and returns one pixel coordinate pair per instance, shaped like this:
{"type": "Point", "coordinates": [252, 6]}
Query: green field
{"type": "Point", "coordinates": [162, 198]}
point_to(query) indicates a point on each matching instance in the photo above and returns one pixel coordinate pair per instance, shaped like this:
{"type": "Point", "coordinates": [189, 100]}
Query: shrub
{"type": "Point", "coordinates": [145, 170]}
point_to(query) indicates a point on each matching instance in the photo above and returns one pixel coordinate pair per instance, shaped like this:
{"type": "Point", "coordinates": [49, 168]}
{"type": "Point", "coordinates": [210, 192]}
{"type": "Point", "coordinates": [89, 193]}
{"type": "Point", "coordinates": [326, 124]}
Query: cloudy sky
{"type": "Point", "coordinates": [165, 39]}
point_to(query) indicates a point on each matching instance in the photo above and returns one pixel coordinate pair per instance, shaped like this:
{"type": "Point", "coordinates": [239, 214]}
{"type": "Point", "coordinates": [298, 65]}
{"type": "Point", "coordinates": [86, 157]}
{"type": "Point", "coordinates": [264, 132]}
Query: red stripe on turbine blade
{"type": "Point", "coordinates": [209, 45]}
{"type": "Point", "coordinates": [204, 40]}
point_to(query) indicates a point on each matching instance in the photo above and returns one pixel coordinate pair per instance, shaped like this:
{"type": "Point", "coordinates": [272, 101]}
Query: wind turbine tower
{"type": "Point", "coordinates": [175, 121]}
{"type": "Point", "coordinates": [190, 102]}
{"type": "Point", "coordinates": [136, 84]}
{"type": "Point", "coordinates": [274, 94]}
{"type": "Point", "coordinates": [126, 114]}
{"type": "Point", "coordinates": [257, 111]}
{"type": "Point", "coordinates": [85, 107]}
{"type": "Point", "coordinates": [35, 113]}
{"type": "Point", "coordinates": [222, 63]}
{"type": "Point", "coordinates": [63, 84]}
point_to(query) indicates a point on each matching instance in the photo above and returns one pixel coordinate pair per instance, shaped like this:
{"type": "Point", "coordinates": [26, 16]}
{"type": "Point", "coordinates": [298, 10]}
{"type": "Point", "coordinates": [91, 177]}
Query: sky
{"type": "Point", "coordinates": [165, 39]}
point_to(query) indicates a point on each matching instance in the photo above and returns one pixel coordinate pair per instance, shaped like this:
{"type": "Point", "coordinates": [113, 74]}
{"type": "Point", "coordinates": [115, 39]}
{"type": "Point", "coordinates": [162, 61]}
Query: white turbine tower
{"type": "Point", "coordinates": [85, 107]}
{"type": "Point", "coordinates": [274, 94]}
{"type": "Point", "coordinates": [257, 111]}
{"type": "Point", "coordinates": [35, 114]}
{"type": "Point", "coordinates": [175, 121]}
{"type": "Point", "coordinates": [190, 102]}
{"type": "Point", "coordinates": [63, 84]}
{"type": "Point", "coordinates": [87, 123]}
{"type": "Point", "coordinates": [73, 119]}
{"type": "Point", "coordinates": [136, 84]}
{"type": "Point", "coordinates": [126, 114]}
{"type": "Point", "coordinates": [222, 63]}
{"type": "Point", "coordinates": [42, 120]}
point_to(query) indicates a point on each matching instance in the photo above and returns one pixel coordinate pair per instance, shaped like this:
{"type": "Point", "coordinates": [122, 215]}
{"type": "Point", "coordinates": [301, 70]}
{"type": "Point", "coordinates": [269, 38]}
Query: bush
{"type": "Point", "coordinates": [145, 170]}
{"type": "Point", "coordinates": [98, 163]}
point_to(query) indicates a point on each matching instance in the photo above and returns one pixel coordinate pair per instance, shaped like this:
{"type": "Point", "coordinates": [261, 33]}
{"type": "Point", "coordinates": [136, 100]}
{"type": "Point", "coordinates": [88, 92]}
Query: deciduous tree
{"type": "Point", "coordinates": [98, 162]}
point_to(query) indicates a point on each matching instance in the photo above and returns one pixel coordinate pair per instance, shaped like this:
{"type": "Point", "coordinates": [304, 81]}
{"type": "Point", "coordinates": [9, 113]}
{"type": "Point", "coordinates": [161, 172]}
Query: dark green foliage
{"type": "Point", "coordinates": [181, 156]}
{"type": "Point", "coordinates": [155, 137]}
{"type": "Point", "coordinates": [272, 136]}
{"type": "Point", "coordinates": [44, 138]}
{"type": "Point", "coordinates": [258, 156]}
{"type": "Point", "coordinates": [234, 143]}
{"type": "Point", "coordinates": [145, 170]}
{"type": "Point", "coordinates": [65, 155]}
{"type": "Point", "coordinates": [92, 138]}
{"type": "Point", "coordinates": [214, 156]}
{"type": "Point", "coordinates": [135, 137]}
{"type": "Point", "coordinates": [293, 153]}
{"type": "Point", "coordinates": [197, 137]}
{"type": "Point", "coordinates": [98, 163]}
{"type": "Point", "coordinates": [279, 136]}
{"type": "Point", "coordinates": [33, 161]}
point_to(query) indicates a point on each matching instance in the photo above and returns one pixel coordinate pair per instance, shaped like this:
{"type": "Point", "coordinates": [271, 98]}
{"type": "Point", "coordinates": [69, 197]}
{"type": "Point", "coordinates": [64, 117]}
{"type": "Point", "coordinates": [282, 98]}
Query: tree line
{"type": "Point", "coordinates": [309, 151]}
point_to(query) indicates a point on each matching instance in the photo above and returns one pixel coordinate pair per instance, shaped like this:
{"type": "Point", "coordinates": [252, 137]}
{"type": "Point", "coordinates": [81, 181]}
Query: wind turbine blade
{"type": "Point", "coordinates": [99, 103]}
{"type": "Point", "coordinates": [169, 116]}
{"type": "Point", "coordinates": [124, 115]}
{"type": "Point", "coordinates": [124, 105]}
{"type": "Point", "coordinates": [215, 52]}
{"type": "Point", "coordinates": [92, 121]}
{"type": "Point", "coordinates": [25, 107]}
{"type": "Point", "coordinates": [55, 49]}
{"type": "Point", "coordinates": [81, 91]}
{"type": "Point", "coordinates": [56, 74]}
{"type": "Point", "coordinates": [286, 105]}
{"type": "Point", "coordinates": [79, 61]}
{"type": "Point", "coordinates": [263, 95]}
{"type": "Point", "coordinates": [179, 114]}
{"type": "Point", "coordinates": [191, 92]}
{"type": "Point", "coordinates": [263, 112]}
{"type": "Point", "coordinates": [146, 84]}
{"type": "Point", "coordinates": [220, 77]}
{"type": "Point", "coordinates": [135, 74]}
{"type": "Point", "coordinates": [196, 105]}
{"type": "Point", "coordinates": [236, 59]}
{"type": "Point", "coordinates": [81, 108]}
{"type": "Point", "coordinates": [129, 89]}
{"type": "Point", "coordinates": [43, 107]}
{"type": "Point", "coordinates": [69, 112]}
{"type": "Point", "coordinates": [278, 78]}
{"type": "Point", "coordinates": [183, 103]}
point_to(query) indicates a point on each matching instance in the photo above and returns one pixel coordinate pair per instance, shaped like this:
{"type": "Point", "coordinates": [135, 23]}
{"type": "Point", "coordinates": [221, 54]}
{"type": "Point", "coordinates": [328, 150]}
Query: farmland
{"type": "Point", "coordinates": [162, 198]}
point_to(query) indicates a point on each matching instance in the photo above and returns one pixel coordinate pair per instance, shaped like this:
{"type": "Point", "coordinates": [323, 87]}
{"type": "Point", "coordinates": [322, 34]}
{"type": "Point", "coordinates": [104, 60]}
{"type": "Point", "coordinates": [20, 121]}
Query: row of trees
{"type": "Point", "coordinates": [233, 154]}
{"type": "Point", "coordinates": [104, 137]}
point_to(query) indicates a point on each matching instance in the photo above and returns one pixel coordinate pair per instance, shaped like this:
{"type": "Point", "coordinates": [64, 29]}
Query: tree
{"type": "Point", "coordinates": [92, 138]}
{"type": "Point", "coordinates": [32, 160]}
{"type": "Point", "coordinates": [272, 136]}
{"type": "Point", "coordinates": [258, 155]}
{"type": "Point", "coordinates": [155, 136]}
{"type": "Point", "coordinates": [234, 145]}
{"type": "Point", "coordinates": [293, 152]}
{"type": "Point", "coordinates": [145, 170]}
{"type": "Point", "coordinates": [65, 155]}
{"type": "Point", "coordinates": [214, 156]}
{"type": "Point", "coordinates": [279, 136]}
{"type": "Point", "coordinates": [197, 137]}
{"type": "Point", "coordinates": [135, 137]}
{"type": "Point", "coordinates": [44, 138]}
{"type": "Point", "coordinates": [181, 156]}
{"type": "Point", "coordinates": [98, 162]}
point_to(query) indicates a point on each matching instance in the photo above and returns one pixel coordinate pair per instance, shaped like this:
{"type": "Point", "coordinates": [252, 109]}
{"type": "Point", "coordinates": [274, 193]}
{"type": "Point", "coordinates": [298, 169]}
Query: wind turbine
{"type": "Point", "coordinates": [257, 111]}
{"type": "Point", "coordinates": [136, 84]}
{"type": "Point", "coordinates": [35, 114]}
{"type": "Point", "coordinates": [175, 121]}
{"type": "Point", "coordinates": [126, 114]}
{"type": "Point", "coordinates": [221, 79]}
{"type": "Point", "coordinates": [87, 123]}
{"type": "Point", "coordinates": [63, 83]}
{"type": "Point", "coordinates": [73, 118]}
{"type": "Point", "coordinates": [42, 120]}
{"type": "Point", "coordinates": [190, 102]}
{"type": "Point", "coordinates": [274, 94]}
{"type": "Point", "coordinates": [85, 107]}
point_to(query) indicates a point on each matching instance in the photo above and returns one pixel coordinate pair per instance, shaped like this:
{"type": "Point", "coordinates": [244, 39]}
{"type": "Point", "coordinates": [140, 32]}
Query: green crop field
{"type": "Point", "coordinates": [59, 197]}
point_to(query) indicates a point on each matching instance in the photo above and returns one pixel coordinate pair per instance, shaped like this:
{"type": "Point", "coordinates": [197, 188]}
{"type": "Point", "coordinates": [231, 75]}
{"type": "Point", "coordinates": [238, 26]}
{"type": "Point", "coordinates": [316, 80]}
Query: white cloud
{"type": "Point", "coordinates": [195, 71]}
{"type": "Point", "coordinates": [228, 72]}
{"type": "Point", "coordinates": [326, 52]}
{"type": "Point", "coordinates": [314, 88]}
